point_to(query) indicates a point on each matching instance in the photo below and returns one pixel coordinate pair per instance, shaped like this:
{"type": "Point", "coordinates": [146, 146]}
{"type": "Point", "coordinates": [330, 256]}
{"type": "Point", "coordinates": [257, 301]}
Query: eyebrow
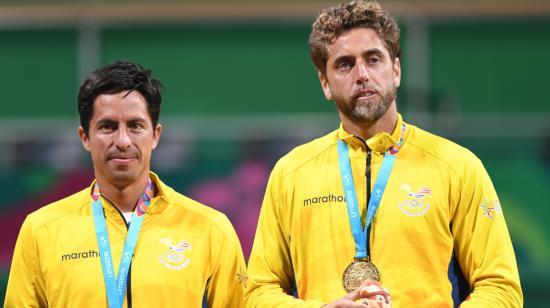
{"type": "Point", "coordinates": [137, 120]}
{"type": "Point", "coordinates": [109, 121]}
{"type": "Point", "coordinates": [369, 52]}
{"type": "Point", "coordinates": [105, 121]}
{"type": "Point", "coordinates": [343, 58]}
{"type": "Point", "coordinates": [373, 51]}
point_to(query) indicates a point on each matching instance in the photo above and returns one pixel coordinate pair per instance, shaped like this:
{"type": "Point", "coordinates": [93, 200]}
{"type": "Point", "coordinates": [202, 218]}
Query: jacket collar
{"type": "Point", "coordinates": [380, 142]}
{"type": "Point", "coordinates": [162, 195]}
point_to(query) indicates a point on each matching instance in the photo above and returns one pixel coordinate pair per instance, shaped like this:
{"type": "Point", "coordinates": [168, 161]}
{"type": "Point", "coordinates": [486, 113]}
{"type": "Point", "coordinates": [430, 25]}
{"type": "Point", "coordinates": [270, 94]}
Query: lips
{"type": "Point", "coordinates": [122, 158]}
{"type": "Point", "coordinates": [365, 93]}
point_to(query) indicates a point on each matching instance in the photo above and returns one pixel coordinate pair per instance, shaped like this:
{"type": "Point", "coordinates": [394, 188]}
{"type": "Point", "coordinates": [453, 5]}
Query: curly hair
{"type": "Point", "coordinates": [334, 21]}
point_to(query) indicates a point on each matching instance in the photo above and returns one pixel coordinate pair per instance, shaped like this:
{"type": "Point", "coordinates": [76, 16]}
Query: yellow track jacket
{"type": "Point", "coordinates": [438, 236]}
{"type": "Point", "coordinates": [187, 255]}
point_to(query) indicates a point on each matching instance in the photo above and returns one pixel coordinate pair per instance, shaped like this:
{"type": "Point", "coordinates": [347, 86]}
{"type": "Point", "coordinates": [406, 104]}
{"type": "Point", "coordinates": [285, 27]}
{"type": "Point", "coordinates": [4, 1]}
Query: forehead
{"type": "Point", "coordinates": [356, 41]}
{"type": "Point", "coordinates": [122, 105]}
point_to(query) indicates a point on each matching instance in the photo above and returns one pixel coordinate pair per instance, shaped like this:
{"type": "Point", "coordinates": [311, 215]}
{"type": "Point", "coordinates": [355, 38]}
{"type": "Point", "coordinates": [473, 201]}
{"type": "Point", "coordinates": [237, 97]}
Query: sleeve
{"type": "Point", "coordinates": [26, 286]}
{"type": "Point", "coordinates": [226, 285]}
{"type": "Point", "coordinates": [482, 243]}
{"type": "Point", "coordinates": [270, 265]}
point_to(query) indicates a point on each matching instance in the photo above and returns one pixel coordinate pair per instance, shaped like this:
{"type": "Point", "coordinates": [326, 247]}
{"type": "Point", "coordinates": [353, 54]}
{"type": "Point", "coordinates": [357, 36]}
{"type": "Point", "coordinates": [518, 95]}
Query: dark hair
{"type": "Point", "coordinates": [334, 21]}
{"type": "Point", "coordinates": [115, 78]}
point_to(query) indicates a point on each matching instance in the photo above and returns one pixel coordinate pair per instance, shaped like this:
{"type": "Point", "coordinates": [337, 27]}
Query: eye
{"type": "Point", "coordinates": [105, 127]}
{"type": "Point", "coordinates": [374, 60]}
{"type": "Point", "coordinates": [135, 126]}
{"type": "Point", "coordinates": [344, 65]}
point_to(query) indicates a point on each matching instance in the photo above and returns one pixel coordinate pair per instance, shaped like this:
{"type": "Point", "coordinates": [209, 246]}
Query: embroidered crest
{"type": "Point", "coordinates": [174, 258]}
{"type": "Point", "coordinates": [416, 203]}
{"type": "Point", "coordinates": [490, 208]}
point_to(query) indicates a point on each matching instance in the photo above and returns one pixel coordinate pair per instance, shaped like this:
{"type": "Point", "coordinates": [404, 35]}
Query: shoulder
{"type": "Point", "coordinates": [458, 160]}
{"type": "Point", "coordinates": [306, 154]}
{"type": "Point", "coordinates": [56, 211]}
{"type": "Point", "coordinates": [455, 156]}
{"type": "Point", "coordinates": [199, 213]}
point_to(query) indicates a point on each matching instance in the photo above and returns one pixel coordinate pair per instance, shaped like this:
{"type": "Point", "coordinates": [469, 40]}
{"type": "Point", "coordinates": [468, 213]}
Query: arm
{"type": "Point", "coordinates": [226, 285]}
{"type": "Point", "coordinates": [26, 284]}
{"type": "Point", "coordinates": [482, 243]}
{"type": "Point", "coordinates": [270, 270]}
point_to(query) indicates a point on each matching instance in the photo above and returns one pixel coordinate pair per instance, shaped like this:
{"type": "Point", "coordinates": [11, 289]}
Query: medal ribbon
{"type": "Point", "coordinates": [360, 235]}
{"type": "Point", "coordinates": [115, 289]}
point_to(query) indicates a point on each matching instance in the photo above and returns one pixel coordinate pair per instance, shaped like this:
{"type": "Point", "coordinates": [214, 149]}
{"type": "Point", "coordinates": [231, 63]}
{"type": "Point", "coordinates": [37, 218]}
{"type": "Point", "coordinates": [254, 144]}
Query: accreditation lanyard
{"type": "Point", "coordinates": [361, 235]}
{"type": "Point", "coordinates": [115, 289]}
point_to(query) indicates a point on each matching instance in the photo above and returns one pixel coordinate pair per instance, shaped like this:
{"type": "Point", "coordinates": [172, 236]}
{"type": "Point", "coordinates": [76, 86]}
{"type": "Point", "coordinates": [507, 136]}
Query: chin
{"type": "Point", "coordinates": [123, 178]}
{"type": "Point", "coordinates": [369, 113]}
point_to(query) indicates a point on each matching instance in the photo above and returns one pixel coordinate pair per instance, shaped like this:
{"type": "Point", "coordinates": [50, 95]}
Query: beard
{"type": "Point", "coordinates": [367, 110]}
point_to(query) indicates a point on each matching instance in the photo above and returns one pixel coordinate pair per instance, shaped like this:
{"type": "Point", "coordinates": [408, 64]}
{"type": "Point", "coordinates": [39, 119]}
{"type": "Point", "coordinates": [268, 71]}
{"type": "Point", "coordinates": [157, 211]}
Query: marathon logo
{"type": "Point", "coordinates": [330, 198]}
{"type": "Point", "coordinates": [80, 255]}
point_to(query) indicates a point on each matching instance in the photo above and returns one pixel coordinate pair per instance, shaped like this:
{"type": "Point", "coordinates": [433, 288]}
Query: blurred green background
{"type": "Point", "coordinates": [241, 91]}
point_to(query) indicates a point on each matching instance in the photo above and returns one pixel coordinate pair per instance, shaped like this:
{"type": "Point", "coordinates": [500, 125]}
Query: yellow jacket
{"type": "Point", "coordinates": [186, 253]}
{"type": "Point", "coordinates": [438, 236]}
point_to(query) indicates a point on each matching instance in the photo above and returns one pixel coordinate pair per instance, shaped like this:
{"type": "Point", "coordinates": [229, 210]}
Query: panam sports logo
{"type": "Point", "coordinates": [415, 203]}
{"type": "Point", "coordinates": [174, 257]}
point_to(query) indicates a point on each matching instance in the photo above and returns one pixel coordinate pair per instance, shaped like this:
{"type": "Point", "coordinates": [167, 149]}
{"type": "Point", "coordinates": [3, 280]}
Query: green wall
{"type": "Point", "coordinates": [236, 68]}
{"type": "Point", "coordinates": [492, 66]}
{"type": "Point", "coordinates": [38, 72]}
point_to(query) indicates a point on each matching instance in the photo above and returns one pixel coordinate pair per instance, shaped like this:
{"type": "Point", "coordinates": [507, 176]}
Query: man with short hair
{"type": "Point", "coordinates": [377, 205]}
{"type": "Point", "coordinates": [128, 239]}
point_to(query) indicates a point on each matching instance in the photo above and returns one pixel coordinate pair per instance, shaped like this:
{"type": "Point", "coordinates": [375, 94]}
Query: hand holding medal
{"type": "Point", "coordinates": [370, 294]}
{"type": "Point", "coordinates": [374, 295]}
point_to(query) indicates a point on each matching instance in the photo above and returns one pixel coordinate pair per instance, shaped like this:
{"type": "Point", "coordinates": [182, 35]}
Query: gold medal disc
{"type": "Point", "coordinates": [358, 271]}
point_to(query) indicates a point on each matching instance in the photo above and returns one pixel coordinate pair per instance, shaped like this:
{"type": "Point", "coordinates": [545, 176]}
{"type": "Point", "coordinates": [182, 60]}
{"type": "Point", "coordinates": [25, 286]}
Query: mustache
{"type": "Point", "coordinates": [116, 153]}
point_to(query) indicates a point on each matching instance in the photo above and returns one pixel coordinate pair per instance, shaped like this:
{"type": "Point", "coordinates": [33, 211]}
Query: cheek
{"type": "Point", "coordinates": [146, 145]}
{"type": "Point", "coordinates": [99, 151]}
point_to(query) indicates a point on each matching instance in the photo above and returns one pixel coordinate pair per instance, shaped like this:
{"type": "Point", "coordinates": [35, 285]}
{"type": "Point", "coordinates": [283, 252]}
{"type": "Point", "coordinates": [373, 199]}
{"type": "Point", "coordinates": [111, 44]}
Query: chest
{"type": "Point", "coordinates": [168, 258]}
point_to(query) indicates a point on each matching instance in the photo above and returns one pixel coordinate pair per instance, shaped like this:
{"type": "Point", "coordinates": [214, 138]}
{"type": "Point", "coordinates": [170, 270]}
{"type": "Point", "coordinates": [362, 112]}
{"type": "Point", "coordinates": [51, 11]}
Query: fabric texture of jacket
{"type": "Point", "coordinates": [438, 237]}
{"type": "Point", "coordinates": [187, 255]}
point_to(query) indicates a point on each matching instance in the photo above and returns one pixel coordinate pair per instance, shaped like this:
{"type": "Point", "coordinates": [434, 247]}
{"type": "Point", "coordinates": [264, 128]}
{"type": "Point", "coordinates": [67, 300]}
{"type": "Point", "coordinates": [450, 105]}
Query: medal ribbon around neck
{"type": "Point", "coordinates": [115, 289]}
{"type": "Point", "coordinates": [360, 235]}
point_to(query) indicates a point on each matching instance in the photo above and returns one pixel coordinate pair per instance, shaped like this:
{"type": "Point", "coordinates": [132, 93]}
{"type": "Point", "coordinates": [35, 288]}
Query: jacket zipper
{"type": "Point", "coordinates": [368, 176]}
{"type": "Point", "coordinates": [367, 173]}
{"type": "Point", "coordinates": [367, 170]}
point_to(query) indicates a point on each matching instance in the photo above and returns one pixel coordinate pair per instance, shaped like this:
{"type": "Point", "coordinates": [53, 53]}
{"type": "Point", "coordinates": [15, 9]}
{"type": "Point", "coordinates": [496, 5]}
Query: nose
{"type": "Point", "coordinates": [362, 72]}
{"type": "Point", "coordinates": [122, 139]}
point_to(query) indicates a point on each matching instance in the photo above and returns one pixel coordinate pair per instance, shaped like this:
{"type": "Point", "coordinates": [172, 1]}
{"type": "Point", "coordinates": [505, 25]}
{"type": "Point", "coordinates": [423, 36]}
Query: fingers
{"type": "Point", "coordinates": [369, 295]}
{"type": "Point", "coordinates": [352, 304]}
{"type": "Point", "coordinates": [354, 295]}
{"type": "Point", "coordinates": [374, 292]}
{"type": "Point", "coordinates": [345, 303]}
{"type": "Point", "coordinates": [367, 283]}
{"type": "Point", "coordinates": [372, 303]}
{"type": "Point", "coordinates": [367, 292]}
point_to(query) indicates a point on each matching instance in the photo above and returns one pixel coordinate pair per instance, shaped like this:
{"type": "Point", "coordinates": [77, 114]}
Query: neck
{"type": "Point", "coordinates": [366, 130]}
{"type": "Point", "coordinates": [123, 197]}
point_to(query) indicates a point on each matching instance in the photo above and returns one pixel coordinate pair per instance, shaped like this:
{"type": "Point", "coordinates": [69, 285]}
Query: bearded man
{"type": "Point", "coordinates": [378, 205]}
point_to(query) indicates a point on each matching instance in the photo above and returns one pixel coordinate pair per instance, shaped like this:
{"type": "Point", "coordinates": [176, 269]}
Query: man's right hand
{"type": "Point", "coordinates": [348, 301]}
{"type": "Point", "coordinates": [351, 300]}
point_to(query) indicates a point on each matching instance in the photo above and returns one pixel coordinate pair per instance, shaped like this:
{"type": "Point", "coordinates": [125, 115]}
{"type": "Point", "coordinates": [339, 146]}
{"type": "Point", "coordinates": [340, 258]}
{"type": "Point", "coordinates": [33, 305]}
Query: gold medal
{"type": "Point", "coordinates": [358, 271]}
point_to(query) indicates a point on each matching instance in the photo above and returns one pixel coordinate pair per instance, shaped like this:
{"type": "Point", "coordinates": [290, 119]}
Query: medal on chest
{"type": "Point", "coordinates": [358, 271]}
{"type": "Point", "coordinates": [362, 268]}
